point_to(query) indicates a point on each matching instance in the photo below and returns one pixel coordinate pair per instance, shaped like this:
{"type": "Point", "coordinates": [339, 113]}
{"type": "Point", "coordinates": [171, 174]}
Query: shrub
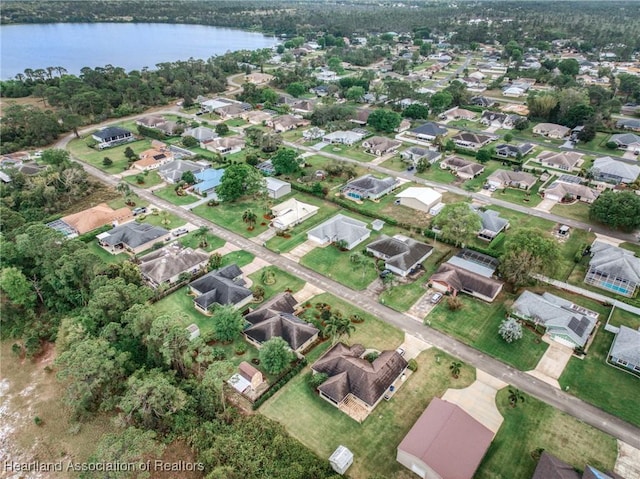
{"type": "Point", "coordinates": [106, 161]}
{"type": "Point", "coordinates": [412, 365]}
{"type": "Point", "coordinates": [372, 356]}
{"type": "Point", "coordinates": [218, 354]}
{"type": "Point", "coordinates": [315, 380]}
{"type": "Point", "coordinates": [454, 303]}
{"type": "Point", "coordinates": [241, 349]}
{"type": "Point", "coordinates": [38, 421]}
{"type": "Point", "coordinates": [612, 145]}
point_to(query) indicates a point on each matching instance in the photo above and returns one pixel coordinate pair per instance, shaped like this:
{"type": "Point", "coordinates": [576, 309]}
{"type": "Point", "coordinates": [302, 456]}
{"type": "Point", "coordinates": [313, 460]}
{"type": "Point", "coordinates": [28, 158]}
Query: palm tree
{"type": "Point", "coordinates": [165, 221]}
{"type": "Point", "coordinates": [201, 236]}
{"type": "Point", "coordinates": [250, 218]}
{"type": "Point", "coordinates": [268, 276]}
{"type": "Point", "coordinates": [514, 396]}
{"type": "Point", "coordinates": [125, 189]}
{"type": "Point", "coordinates": [338, 326]}
{"type": "Point", "coordinates": [455, 369]}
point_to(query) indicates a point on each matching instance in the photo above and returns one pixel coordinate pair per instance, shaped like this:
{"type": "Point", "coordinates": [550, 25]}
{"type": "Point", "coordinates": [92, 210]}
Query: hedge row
{"type": "Point", "coordinates": [490, 251]}
{"type": "Point", "coordinates": [90, 236]}
{"type": "Point", "coordinates": [279, 384]}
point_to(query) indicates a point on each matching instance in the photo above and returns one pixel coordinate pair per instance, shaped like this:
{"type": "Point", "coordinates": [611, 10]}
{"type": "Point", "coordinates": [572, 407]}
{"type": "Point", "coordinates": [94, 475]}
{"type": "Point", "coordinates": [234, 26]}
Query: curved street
{"type": "Point", "coordinates": [536, 388]}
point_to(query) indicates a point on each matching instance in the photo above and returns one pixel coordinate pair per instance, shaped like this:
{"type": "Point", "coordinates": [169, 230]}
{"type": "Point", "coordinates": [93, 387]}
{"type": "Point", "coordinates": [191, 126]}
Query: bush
{"type": "Point", "coordinates": [38, 421]}
{"type": "Point", "coordinates": [412, 365]}
{"type": "Point", "coordinates": [372, 356]}
{"type": "Point", "coordinates": [241, 349]}
{"type": "Point", "coordinates": [612, 145]}
{"type": "Point", "coordinates": [106, 161]}
{"type": "Point", "coordinates": [315, 380]}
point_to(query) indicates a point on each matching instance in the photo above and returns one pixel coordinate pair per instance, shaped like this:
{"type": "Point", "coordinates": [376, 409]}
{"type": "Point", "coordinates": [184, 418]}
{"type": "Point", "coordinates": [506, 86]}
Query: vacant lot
{"type": "Point", "coordinates": [281, 282]}
{"type": "Point", "coordinates": [149, 179]}
{"type": "Point", "coordinates": [353, 152]}
{"type": "Point", "coordinates": [229, 216]}
{"type": "Point", "coordinates": [168, 193]}
{"type": "Point", "coordinates": [577, 211]}
{"type": "Point", "coordinates": [337, 265]}
{"type": "Point", "coordinates": [322, 427]}
{"type": "Point", "coordinates": [532, 425]}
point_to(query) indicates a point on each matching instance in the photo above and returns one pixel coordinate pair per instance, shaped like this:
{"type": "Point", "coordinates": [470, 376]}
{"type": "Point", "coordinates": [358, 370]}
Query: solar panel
{"type": "Point", "coordinates": [578, 326]}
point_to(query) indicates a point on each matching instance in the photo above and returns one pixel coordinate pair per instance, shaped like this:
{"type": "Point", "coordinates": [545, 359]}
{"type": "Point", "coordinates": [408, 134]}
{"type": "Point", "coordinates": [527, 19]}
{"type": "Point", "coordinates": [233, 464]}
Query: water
{"type": "Point", "coordinates": [131, 46]}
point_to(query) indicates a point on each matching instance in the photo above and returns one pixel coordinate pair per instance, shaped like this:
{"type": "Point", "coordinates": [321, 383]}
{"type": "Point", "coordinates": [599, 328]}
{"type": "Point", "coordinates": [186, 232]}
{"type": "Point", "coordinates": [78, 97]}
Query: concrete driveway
{"type": "Point", "coordinates": [307, 292]}
{"type": "Point", "coordinates": [479, 400]}
{"type": "Point", "coordinates": [628, 461]}
{"type": "Point", "coordinates": [299, 251]}
{"type": "Point", "coordinates": [226, 249]}
{"type": "Point", "coordinates": [413, 346]}
{"type": "Point", "coordinates": [552, 362]}
{"type": "Point", "coordinates": [545, 205]}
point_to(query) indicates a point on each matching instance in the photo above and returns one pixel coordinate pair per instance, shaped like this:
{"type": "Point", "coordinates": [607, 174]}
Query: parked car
{"type": "Point", "coordinates": [400, 351]}
{"type": "Point", "coordinates": [411, 168]}
{"type": "Point", "coordinates": [180, 232]}
{"type": "Point", "coordinates": [139, 210]}
{"type": "Point", "coordinates": [435, 299]}
{"type": "Point", "coordinates": [384, 273]}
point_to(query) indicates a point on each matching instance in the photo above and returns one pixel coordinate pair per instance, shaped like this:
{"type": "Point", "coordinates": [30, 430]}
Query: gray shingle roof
{"type": "Point", "coordinates": [625, 139]}
{"type": "Point", "coordinates": [371, 184]}
{"type": "Point", "coordinates": [133, 234]}
{"type": "Point", "coordinates": [163, 264]}
{"type": "Point", "coordinates": [491, 221]}
{"type": "Point", "coordinates": [339, 228]}
{"type": "Point", "coordinates": [173, 170]}
{"type": "Point", "coordinates": [508, 177]}
{"type": "Point", "coordinates": [403, 253]}
{"type": "Point", "coordinates": [558, 315]}
{"type": "Point", "coordinates": [614, 261]}
{"type": "Point", "coordinates": [111, 132]}
{"type": "Point", "coordinates": [617, 167]}
{"type": "Point", "coordinates": [348, 373]}
{"type": "Point", "coordinates": [550, 467]}
{"type": "Point", "coordinates": [429, 129]}
{"type": "Point", "coordinates": [221, 286]}
{"type": "Point", "coordinates": [465, 280]}
{"type": "Point", "coordinates": [626, 345]}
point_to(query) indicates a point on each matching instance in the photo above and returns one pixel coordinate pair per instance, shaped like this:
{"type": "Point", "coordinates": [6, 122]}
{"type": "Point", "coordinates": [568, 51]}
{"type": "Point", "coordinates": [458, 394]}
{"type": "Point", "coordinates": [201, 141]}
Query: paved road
{"type": "Point", "coordinates": [558, 399]}
{"type": "Point", "coordinates": [476, 196]}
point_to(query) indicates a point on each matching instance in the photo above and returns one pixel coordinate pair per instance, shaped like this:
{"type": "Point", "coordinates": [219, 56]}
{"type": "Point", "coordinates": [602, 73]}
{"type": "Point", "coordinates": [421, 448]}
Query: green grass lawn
{"type": "Point", "coordinates": [622, 317]}
{"type": "Point", "coordinates": [521, 220]}
{"type": "Point", "coordinates": [235, 122]}
{"type": "Point", "coordinates": [168, 193]}
{"type": "Point", "coordinates": [532, 425]}
{"type": "Point", "coordinates": [322, 427]}
{"type": "Point", "coordinates": [475, 184]}
{"type": "Point", "coordinates": [435, 173]}
{"type": "Point", "coordinates": [283, 281]}
{"type": "Point", "coordinates": [599, 146]}
{"type": "Point", "coordinates": [151, 178]}
{"type": "Point", "coordinates": [336, 265]}
{"type": "Point", "coordinates": [104, 255]}
{"type": "Point", "coordinates": [568, 251]}
{"type": "Point", "coordinates": [631, 247]}
{"type": "Point", "coordinates": [168, 220]}
{"type": "Point", "coordinates": [79, 148]}
{"type": "Point", "coordinates": [604, 386]}
{"type": "Point", "coordinates": [529, 198]}
{"type": "Point", "coordinates": [229, 216]}
{"type": "Point", "coordinates": [578, 211]}
{"type": "Point", "coordinates": [240, 257]}
{"type": "Point", "coordinates": [191, 241]}
{"type": "Point", "coordinates": [477, 323]}
{"type": "Point", "coordinates": [179, 305]}
{"type": "Point", "coordinates": [120, 202]}
{"type": "Point", "coordinates": [395, 163]}
{"type": "Point", "coordinates": [353, 152]}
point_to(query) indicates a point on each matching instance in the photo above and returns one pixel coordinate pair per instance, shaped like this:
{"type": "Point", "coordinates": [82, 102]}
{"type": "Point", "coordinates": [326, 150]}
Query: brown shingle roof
{"type": "Point", "coordinates": [100, 215]}
{"type": "Point", "coordinates": [550, 467]}
{"type": "Point", "coordinates": [461, 279]}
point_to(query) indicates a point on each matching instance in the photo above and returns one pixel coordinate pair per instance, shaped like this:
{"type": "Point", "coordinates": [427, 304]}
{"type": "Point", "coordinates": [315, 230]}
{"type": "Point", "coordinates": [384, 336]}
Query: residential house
{"type": "Point", "coordinates": [482, 101]}
{"type": "Point", "coordinates": [564, 321]}
{"type": "Point", "coordinates": [90, 219]}
{"type": "Point", "coordinates": [462, 168]}
{"type": "Point", "coordinates": [369, 187]}
{"type": "Point", "coordinates": [514, 91]}
{"type": "Point", "coordinates": [615, 170]}
{"type": "Point", "coordinates": [472, 141]}
{"type": "Point", "coordinates": [632, 124]}
{"type": "Point", "coordinates": [551, 130]}
{"type": "Point", "coordinates": [512, 179]}
{"type": "Point", "coordinates": [248, 380]}
{"type": "Point", "coordinates": [345, 137]}
{"type": "Point", "coordinates": [132, 237]}
{"type": "Point", "coordinates": [565, 190]}
{"type": "Point", "coordinates": [229, 112]}
{"type": "Point", "coordinates": [626, 141]}
{"type": "Point", "coordinates": [320, 90]}
{"type": "Point", "coordinates": [513, 151]}
{"type": "Point", "coordinates": [468, 272]}
{"type": "Point", "coordinates": [421, 199]}
{"type": "Point", "coordinates": [356, 385]}
{"type": "Point", "coordinates": [625, 350]}
{"type": "Point", "coordinates": [303, 106]}
{"type": "Point", "coordinates": [224, 286]}
{"type": "Point", "coordinates": [380, 145]}
{"type": "Point", "coordinates": [266, 168]}
{"type": "Point", "coordinates": [550, 467]}
{"type": "Point", "coordinates": [340, 228]}
{"type": "Point", "coordinates": [613, 269]}
{"type": "Point", "coordinates": [457, 113]}
{"type": "Point", "coordinates": [227, 145]}
{"type": "Point", "coordinates": [499, 120]}
{"type": "Point", "coordinates": [166, 265]}
{"type": "Point", "coordinates": [565, 160]}
{"type": "Point", "coordinates": [284, 123]}
{"type": "Point", "coordinates": [277, 188]}
{"type": "Point", "coordinates": [112, 136]}
{"type": "Point", "coordinates": [151, 121]}
{"type": "Point", "coordinates": [403, 126]}
{"type": "Point", "coordinates": [172, 172]}
{"type": "Point", "coordinates": [159, 154]}
{"type": "Point", "coordinates": [276, 318]}
{"type": "Point", "coordinates": [402, 255]}
{"type": "Point", "coordinates": [256, 117]}
{"type": "Point", "coordinates": [201, 133]}
{"type": "Point", "coordinates": [492, 224]}
{"type": "Point", "coordinates": [428, 131]}
{"type": "Point", "coordinates": [313, 133]}
{"type": "Point", "coordinates": [213, 104]}
{"type": "Point", "coordinates": [207, 180]}
{"type": "Point", "coordinates": [414, 154]}
{"type": "Point", "coordinates": [444, 443]}
{"type": "Point", "coordinates": [290, 213]}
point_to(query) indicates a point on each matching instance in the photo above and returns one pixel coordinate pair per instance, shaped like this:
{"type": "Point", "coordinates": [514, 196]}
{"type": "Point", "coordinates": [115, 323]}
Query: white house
{"type": "Point", "coordinates": [421, 199]}
{"type": "Point", "coordinates": [290, 213]}
{"type": "Point", "coordinates": [340, 228]}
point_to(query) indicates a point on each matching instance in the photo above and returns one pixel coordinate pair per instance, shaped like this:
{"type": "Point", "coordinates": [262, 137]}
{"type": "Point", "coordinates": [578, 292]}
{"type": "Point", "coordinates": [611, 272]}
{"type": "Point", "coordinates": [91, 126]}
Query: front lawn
{"type": "Point", "coordinates": [529, 198]}
{"type": "Point", "coordinates": [78, 147]}
{"type": "Point", "coordinates": [395, 163]}
{"type": "Point", "coordinates": [577, 211]}
{"type": "Point", "coordinates": [352, 152]}
{"type": "Point", "coordinates": [282, 281]}
{"type": "Point", "coordinates": [476, 183]}
{"type": "Point", "coordinates": [533, 425]}
{"type": "Point", "coordinates": [477, 323]}
{"type": "Point", "coordinates": [235, 122]}
{"type": "Point", "coordinates": [168, 193]}
{"type": "Point", "coordinates": [163, 219]}
{"type": "Point", "coordinates": [192, 241]}
{"type": "Point", "coordinates": [322, 427]}
{"type": "Point", "coordinates": [229, 216]}
{"type": "Point", "coordinates": [151, 178]}
{"type": "Point", "coordinates": [604, 386]}
{"type": "Point", "coordinates": [437, 174]}
{"type": "Point", "coordinates": [240, 257]}
{"type": "Point", "coordinates": [335, 264]}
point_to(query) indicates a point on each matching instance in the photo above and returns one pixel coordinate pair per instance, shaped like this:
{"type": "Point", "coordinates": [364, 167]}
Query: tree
{"type": "Point", "coordinates": [569, 66]}
{"type": "Point", "coordinates": [528, 252]}
{"type": "Point", "coordinates": [152, 399]}
{"type": "Point", "coordinates": [440, 101]}
{"type": "Point", "coordinates": [619, 210]}
{"type": "Point", "coordinates": [130, 154]}
{"type": "Point", "coordinates": [458, 223]}
{"type": "Point", "coordinates": [354, 93]}
{"type": "Point", "coordinates": [275, 355]}
{"type": "Point", "coordinates": [124, 188]}
{"type": "Point", "coordinates": [215, 261]}
{"type": "Point", "coordinates": [338, 326]}
{"type": "Point", "coordinates": [190, 142]}
{"type": "Point", "coordinates": [55, 157]}
{"type": "Point", "coordinates": [515, 396]}
{"type": "Point", "coordinates": [458, 92]}
{"type": "Point", "coordinates": [250, 218]}
{"type": "Point", "coordinates": [455, 368]}
{"type": "Point", "coordinates": [268, 276]}
{"type": "Point", "coordinates": [422, 165]}
{"type": "Point", "coordinates": [188, 177]}
{"type": "Point", "coordinates": [201, 235]}
{"type": "Point", "coordinates": [384, 120]}
{"type": "Point", "coordinates": [215, 378]}
{"type": "Point", "coordinates": [106, 161]}
{"type": "Point", "coordinates": [239, 180]}
{"type": "Point", "coordinates": [483, 155]}
{"type": "Point", "coordinates": [416, 111]}
{"type": "Point", "coordinates": [541, 106]}
{"type": "Point", "coordinates": [227, 323]}
{"type": "Point", "coordinates": [93, 371]}
{"type": "Point", "coordinates": [510, 330]}
{"type": "Point", "coordinates": [169, 341]}
{"type": "Point", "coordinates": [286, 162]}
{"type": "Point", "coordinates": [222, 129]}
{"type": "Point", "coordinates": [16, 286]}
{"type": "Point", "coordinates": [296, 89]}
{"type": "Point", "coordinates": [508, 138]}
{"type": "Point", "coordinates": [588, 133]}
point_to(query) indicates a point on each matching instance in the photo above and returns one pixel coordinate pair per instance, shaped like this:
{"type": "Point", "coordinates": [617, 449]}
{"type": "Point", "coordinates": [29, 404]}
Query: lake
{"type": "Point", "coordinates": [131, 46]}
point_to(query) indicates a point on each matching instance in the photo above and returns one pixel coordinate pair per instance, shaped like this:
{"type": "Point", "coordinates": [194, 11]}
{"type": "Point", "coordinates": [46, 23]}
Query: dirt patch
{"type": "Point", "coordinates": [100, 193]}
{"type": "Point", "coordinates": [404, 214]}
